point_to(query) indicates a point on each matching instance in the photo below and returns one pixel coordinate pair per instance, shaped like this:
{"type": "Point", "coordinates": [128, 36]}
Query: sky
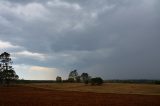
{"type": "Point", "coordinates": [112, 39]}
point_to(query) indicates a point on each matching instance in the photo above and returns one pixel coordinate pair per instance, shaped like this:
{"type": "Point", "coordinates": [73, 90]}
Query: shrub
{"type": "Point", "coordinates": [65, 81]}
{"type": "Point", "coordinates": [97, 81]}
{"type": "Point", "coordinates": [157, 82]}
{"type": "Point", "coordinates": [78, 79]}
{"type": "Point", "coordinates": [70, 79]}
{"type": "Point", "coordinates": [58, 79]}
{"type": "Point", "coordinates": [86, 81]}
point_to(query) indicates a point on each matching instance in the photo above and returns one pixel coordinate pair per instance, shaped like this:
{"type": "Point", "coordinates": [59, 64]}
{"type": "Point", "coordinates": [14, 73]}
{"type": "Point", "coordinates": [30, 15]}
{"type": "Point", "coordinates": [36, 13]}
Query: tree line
{"type": "Point", "coordinates": [8, 75]}
{"type": "Point", "coordinates": [84, 77]}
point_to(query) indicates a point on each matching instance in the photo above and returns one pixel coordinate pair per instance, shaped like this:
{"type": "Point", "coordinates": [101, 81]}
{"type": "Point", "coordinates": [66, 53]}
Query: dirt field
{"type": "Point", "coordinates": [31, 96]}
{"type": "Point", "coordinates": [120, 88]}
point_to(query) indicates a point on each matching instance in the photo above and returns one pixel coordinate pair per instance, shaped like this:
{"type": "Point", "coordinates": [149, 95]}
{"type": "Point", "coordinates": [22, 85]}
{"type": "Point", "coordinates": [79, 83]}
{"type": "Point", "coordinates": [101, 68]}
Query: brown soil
{"type": "Point", "coordinates": [29, 96]}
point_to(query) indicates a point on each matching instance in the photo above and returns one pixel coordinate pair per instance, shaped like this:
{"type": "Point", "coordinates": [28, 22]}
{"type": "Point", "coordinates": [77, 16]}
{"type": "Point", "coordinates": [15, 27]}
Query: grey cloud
{"type": "Point", "coordinates": [109, 38]}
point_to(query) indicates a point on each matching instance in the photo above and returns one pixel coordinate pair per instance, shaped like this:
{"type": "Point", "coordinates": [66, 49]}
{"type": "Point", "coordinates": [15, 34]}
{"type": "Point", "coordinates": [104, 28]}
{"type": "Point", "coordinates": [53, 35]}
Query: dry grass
{"type": "Point", "coordinates": [31, 96]}
{"type": "Point", "coordinates": [120, 88]}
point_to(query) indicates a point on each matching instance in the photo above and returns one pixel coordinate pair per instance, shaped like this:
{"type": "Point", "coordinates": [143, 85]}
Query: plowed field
{"type": "Point", "coordinates": [30, 96]}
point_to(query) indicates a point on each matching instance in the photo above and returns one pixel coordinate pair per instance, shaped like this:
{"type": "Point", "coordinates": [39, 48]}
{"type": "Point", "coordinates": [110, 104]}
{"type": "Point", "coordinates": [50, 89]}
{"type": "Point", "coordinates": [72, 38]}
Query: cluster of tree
{"type": "Point", "coordinates": [84, 77]}
{"type": "Point", "coordinates": [7, 73]}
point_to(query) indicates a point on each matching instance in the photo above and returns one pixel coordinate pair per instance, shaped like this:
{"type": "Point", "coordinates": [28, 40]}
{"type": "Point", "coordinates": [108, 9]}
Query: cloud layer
{"type": "Point", "coordinates": [110, 38]}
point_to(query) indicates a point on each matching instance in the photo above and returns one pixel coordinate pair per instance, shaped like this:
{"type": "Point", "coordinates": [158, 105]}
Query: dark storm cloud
{"type": "Point", "coordinates": [135, 44]}
{"type": "Point", "coordinates": [109, 38]}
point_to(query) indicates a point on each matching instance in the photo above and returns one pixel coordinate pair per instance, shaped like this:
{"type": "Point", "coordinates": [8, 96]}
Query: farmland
{"type": "Point", "coordinates": [78, 94]}
{"type": "Point", "coordinates": [120, 88]}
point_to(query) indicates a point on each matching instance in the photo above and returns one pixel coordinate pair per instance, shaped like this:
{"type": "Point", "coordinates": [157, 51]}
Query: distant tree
{"type": "Point", "coordinates": [85, 78]}
{"type": "Point", "coordinates": [1, 76]}
{"type": "Point", "coordinates": [58, 79]}
{"type": "Point", "coordinates": [157, 82]}
{"type": "Point", "coordinates": [71, 80]}
{"type": "Point", "coordinates": [73, 75]}
{"type": "Point", "coordinates": [97, 81]}
{"type": "Point", "coordinates": [78, 79]}
{"type": "Point", "coordinates": [7, 73]}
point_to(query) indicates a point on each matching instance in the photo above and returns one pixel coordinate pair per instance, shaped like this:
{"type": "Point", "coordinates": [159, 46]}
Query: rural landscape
{"type": "Point", "coordinates": [79, 53]}
{"type": "Point", "coordinates": [75, 91]}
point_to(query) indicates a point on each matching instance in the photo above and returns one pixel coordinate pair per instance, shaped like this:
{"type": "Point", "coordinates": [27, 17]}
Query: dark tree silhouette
{"type": "Point", "coordinates": [97, 81]}
{"type": "Point", "coordinates": [7, 73]}
{"type": "Point", "coordinates": [85, 77]}
{"type": "Point", "coordinates": [70, 80]}
{"type": "Point", "coordinates": [58, 79]}
{"type": "Point", "coordinates": [78, 79]}
{"type": "Point", "coordinates": [1, 76]}
{"type": "Point", "coordinates": [73, 75]}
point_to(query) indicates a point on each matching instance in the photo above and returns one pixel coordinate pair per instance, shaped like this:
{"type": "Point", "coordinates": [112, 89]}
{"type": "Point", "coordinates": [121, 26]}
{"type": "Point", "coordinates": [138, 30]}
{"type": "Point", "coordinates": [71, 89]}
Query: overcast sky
{"type": "Point", "coordinates": [112, 39]}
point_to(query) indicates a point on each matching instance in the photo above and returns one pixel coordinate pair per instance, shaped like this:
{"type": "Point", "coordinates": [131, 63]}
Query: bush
{"type": "Point", "coordinates": [96, 81]}
{"type": "Point", "coordinates": [78, 79]}
{"type": "Point", "coordinates": [157, 82]}
{"type": "Point", "coordinates": [70, 79]}
{"type": "Point", "coordinates": [58, 79]}
{"type": "Point", "coordinates": [86, 81]}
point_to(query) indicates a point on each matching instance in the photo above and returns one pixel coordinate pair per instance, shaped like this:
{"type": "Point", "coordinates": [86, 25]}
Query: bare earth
{"type": "Point", "coordinates": [33, 96]}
